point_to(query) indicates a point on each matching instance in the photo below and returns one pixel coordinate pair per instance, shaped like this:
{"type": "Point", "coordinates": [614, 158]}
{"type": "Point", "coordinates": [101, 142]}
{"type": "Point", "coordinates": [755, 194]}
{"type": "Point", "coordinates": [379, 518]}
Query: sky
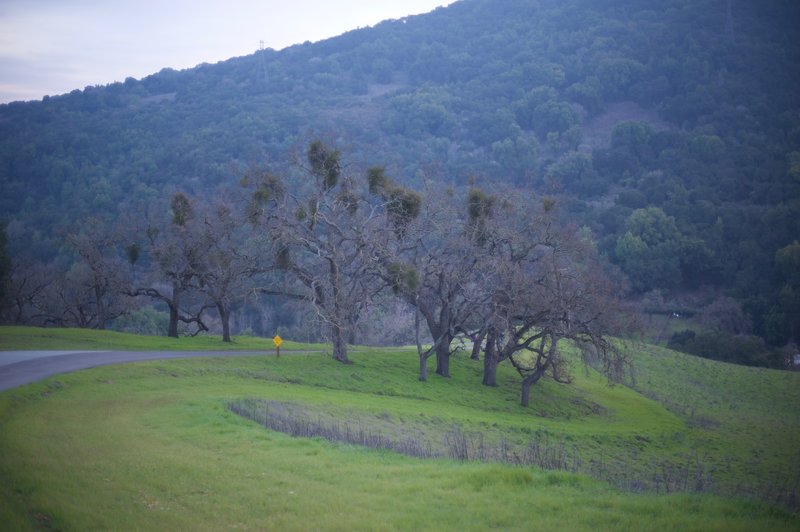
{"type": "Point", "coordinates": [50, 47]}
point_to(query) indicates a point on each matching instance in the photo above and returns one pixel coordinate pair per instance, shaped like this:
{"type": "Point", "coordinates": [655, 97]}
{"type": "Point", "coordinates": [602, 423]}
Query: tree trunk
{"type": "Point", "coordinates": [477, 342]}
{"type": "Point", "coordinates": [172, 332]}
{"type": "Point", "coordinates": [527, 382]}
{"type": "Point", "coordinates": [225, 318]}
{"type": "Point", "coordinates": [173, 305]}
{"type": "Point", "coordinates": [339, 345]}
{"type": "Point", "coordinates": [490, 360]}
{"type": "Point", "coordinates": [423, 356]}
{"type": "Point", "coordinates": [439, 328]}
{"type": "Point", "coordinates": [526, 392]}
{"type": "Point", "coordinates": [443, 358]}
{"type": "Point", "coordinates": [101, 308]}
{"type": "Point", "coordinates": [489, 370]}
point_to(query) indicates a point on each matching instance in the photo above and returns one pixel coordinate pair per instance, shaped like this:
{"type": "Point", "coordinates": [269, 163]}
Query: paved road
{"type": "Point", "coordinates": [23, 367]}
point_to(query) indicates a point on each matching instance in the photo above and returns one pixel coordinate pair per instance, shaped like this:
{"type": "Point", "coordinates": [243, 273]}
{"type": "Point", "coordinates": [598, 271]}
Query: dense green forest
{"type": "Point", "coordinates": [669, 129]}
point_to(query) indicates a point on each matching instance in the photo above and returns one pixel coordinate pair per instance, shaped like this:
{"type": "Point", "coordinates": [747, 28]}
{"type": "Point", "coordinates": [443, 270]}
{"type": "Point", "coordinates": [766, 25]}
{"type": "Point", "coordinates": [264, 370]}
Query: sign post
{"type": "Point", "coordinates": [277, 340]}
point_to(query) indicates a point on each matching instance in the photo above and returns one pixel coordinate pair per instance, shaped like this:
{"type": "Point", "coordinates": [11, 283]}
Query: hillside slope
{"type": "Point", "coordinates": [166, 446]}
{"type": "Point", "coordinates": [685, 106]}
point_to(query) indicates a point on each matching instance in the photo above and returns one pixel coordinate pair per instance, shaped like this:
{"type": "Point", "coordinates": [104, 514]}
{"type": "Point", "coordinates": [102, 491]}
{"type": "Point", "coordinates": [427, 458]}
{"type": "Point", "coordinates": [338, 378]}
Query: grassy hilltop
{"type": "Point", "coordinates": [155, 445]}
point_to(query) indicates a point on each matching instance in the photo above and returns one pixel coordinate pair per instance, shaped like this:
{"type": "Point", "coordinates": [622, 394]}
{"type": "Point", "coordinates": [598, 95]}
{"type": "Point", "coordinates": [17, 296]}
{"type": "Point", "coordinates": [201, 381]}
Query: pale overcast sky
{"type": "Point", "coordinates": [50, 47]}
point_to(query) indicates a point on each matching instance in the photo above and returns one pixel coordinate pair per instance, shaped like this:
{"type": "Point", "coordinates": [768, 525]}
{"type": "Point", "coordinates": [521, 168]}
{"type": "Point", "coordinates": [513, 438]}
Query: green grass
{"type": "Point", "coordinates": [28, 338]}
{"type": "Point", "coordinates": [152, 446]}
{"type": "Point", "coordinates": [741, 419]}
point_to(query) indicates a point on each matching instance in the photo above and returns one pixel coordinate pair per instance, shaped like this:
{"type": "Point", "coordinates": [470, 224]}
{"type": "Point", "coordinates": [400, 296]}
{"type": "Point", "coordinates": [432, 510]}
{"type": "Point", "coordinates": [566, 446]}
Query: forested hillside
{"type": "Point", "coordinates": [670, 129]}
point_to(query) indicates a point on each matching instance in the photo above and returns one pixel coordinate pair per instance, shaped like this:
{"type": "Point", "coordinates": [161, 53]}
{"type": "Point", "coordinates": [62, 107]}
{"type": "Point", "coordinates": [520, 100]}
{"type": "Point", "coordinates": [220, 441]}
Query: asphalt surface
{"type": "Point", "coordinates": [23, 367]}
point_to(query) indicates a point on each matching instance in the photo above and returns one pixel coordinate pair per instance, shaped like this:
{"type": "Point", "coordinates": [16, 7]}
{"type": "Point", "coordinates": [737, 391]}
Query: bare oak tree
{"type": "Point", "coordinates": [230, 262]}
{"type": "Point", "coordinates": [96, 283]}
{"type": "Point", "coordinates": [175, 252]}
{"type": "Point", "coordinates": [26, 292]}
{"type": "Point", "coordinates": [429, 260]}
{"type": "Point", "coordinates": [319, 232]}
{"type": "Point", "coordinates": [546, 287]}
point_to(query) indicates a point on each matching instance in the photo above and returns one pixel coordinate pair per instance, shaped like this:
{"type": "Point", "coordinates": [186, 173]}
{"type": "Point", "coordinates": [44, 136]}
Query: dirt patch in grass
{"type": "Point", "coordinates": [416, 438]}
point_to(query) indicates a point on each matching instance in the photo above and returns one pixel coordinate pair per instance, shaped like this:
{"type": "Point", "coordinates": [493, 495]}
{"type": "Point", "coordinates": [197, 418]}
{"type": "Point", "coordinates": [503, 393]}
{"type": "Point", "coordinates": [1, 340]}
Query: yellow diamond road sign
{"type": "Point", "coordinates": [277, 341]}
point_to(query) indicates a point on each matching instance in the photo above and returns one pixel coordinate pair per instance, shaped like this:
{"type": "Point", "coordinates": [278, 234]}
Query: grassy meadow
{"type": "Point", "coordinates": [689, 444]}
{"type": "Point", "coordinates": [27, 338]}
